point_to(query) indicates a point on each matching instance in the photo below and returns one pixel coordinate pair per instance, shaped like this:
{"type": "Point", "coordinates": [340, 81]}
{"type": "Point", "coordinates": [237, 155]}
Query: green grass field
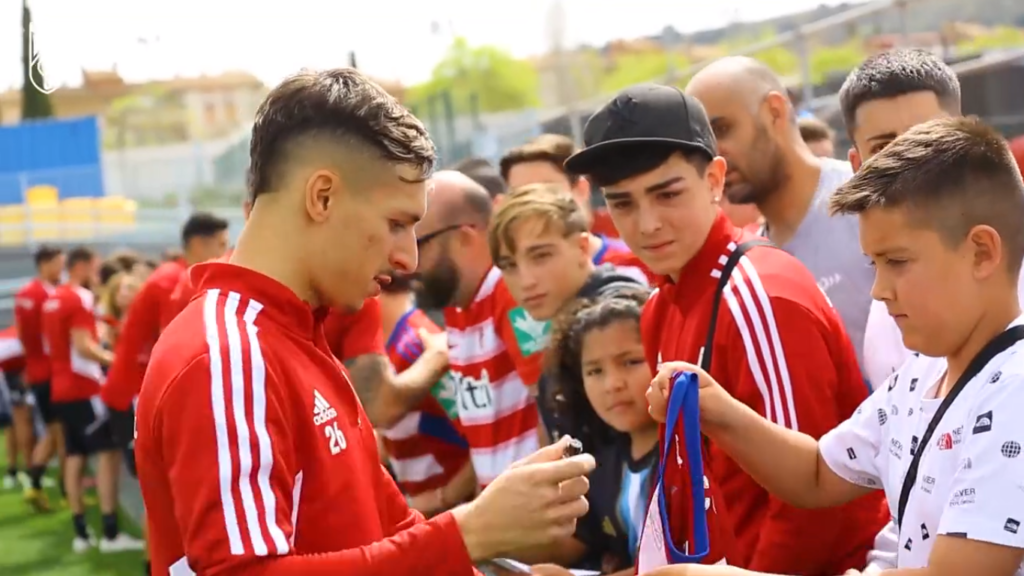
{"type": "Point", "coordinates": [34, 544]}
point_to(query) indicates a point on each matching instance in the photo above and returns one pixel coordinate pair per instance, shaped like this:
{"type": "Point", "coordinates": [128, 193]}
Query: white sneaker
{"type": "Point", "coordinates": [82, 545]}
{"type": "Point", "coordinates": [25, 480]}
{"type": "Point", "coordinates": [122, 543]}
{"type": "Point", "coordinates": [9, 482]}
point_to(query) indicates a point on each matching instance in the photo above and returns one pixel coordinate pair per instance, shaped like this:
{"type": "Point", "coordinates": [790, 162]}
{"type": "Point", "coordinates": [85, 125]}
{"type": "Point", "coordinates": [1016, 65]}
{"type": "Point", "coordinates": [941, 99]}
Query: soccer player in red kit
{"type": "Point", "coordinates": [28, 318]}
{"type": "Point", "coordinates": [203, 237]}
{"type": "Point", "coordinates": [254, 455]}
{"type": "Point", "coordinates": [777, 344]}
{"type": "Point", "coordinates": [77, 362]}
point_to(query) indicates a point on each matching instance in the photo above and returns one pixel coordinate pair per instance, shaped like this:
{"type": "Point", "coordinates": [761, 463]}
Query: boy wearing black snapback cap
{"type": "Point", "coordinates": [751, 315]}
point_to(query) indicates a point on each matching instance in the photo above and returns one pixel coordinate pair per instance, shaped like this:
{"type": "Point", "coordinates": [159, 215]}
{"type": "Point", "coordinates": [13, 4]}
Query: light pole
{"type": "Point", "coordinates": [563, 80]}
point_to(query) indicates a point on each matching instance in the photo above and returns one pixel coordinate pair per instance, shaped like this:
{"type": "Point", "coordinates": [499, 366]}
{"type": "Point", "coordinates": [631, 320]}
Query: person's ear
{"type": "Point", "coordinates": [987, 251]}
{"type": "Point", "coordinates": [321, 187]}
{"type": "Point", "coordinates": [714, 175]}
{"type": "Point", "coordinates": [779, 107]}
{"type": "Point", "coordinates": [584, 247]}
{"type": "Point", "coordinates": [854, 156]}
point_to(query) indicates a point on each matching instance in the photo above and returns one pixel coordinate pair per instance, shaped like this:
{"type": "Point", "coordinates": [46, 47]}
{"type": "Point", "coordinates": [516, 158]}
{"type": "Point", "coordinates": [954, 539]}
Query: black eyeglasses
{"type": "Point", "coordinates": [422, 240]}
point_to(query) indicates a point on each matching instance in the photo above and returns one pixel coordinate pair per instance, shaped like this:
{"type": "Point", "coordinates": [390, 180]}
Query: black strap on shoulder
{"type": "Point", "coordinates": [997, 345]}
{"type": "Point", "coordinates": [723, 281]}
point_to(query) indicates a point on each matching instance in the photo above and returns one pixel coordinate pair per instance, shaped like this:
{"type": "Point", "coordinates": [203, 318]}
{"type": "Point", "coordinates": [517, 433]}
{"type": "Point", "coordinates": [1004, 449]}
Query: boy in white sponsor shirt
{"type": "Point", "coordinates": [940, 212]}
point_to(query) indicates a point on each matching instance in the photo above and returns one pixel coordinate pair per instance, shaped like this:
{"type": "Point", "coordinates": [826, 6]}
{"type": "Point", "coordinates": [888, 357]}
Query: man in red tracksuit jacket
{"type": "Point", "coordinates": [254, 454]}
{"type": "Point", "coordinates": [778, 345]}
{"type": "Point", "coordinates": [203, 237]}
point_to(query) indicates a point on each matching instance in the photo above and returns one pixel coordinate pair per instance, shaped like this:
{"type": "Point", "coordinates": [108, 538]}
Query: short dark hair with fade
{"type": "Point", "coordinates": [202, 225]}
{"type": "Point", "coordinates": [340, 104]}
{"type": "Point", "coordinates": [554, 149]}
{"type": "Point", "coordinates": [631, 160]}
{"type": "Point", "coordinates": [46, 253]}
{"type": "Point", "coordinates": [79, 255]}
{"type": "Point", "coordinates": [897, 73]}
{"type": "Point", "coordinates": [950, 174]}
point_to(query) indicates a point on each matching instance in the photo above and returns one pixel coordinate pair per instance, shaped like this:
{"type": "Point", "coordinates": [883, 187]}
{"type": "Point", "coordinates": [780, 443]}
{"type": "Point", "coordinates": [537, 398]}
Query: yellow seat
{"type": "Point", "coordinates": [12, 225]}
{"type": "Point", "coordinates": [78, 218]}
{"type": "Point", "coordinates": [43, 194]}
{"type": "Point", "coordinates": [115, 213]}
{"type": "Point", "coordinates": [43, 220]}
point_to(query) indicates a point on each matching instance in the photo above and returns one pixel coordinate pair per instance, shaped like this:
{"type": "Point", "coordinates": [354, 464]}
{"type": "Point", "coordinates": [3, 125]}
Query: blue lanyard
{"type": "Point", "coordinates": [683, 399]}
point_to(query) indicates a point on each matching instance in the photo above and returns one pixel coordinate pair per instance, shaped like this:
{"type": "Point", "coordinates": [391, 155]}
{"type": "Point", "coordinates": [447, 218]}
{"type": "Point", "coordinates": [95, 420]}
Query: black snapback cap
{"type": "Point", "coordinates": [645, 113]}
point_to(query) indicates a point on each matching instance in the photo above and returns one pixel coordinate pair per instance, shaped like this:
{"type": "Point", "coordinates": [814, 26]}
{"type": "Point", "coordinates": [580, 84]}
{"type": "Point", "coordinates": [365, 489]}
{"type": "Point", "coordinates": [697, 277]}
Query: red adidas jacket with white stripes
{"type": "Point", "coordinates": [147, 315]}
{"type": "Point", "coordinates": [254, 455]}
{"type": "Point", "coordinates": [781, 349]}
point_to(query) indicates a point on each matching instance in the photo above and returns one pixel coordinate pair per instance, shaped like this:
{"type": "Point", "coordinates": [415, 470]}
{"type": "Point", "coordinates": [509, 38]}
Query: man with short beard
{"type": "Point", "coordinates": [492, 347]}
{"type": "Point", "coordinates": [770, 165]}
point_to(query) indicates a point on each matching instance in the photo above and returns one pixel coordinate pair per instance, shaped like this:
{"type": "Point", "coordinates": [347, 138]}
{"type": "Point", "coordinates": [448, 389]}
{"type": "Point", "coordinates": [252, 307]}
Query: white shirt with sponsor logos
{"type": "Point", "coordinates": [970, 482]}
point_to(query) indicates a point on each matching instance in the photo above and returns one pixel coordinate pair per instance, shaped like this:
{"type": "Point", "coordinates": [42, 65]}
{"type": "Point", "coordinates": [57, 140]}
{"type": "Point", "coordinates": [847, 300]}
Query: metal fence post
{"type": "Point", "coordinates": [804, 53]}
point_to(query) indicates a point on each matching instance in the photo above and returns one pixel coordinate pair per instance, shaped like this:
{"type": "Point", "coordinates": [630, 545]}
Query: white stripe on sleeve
{"type": "Point", "coordinates": [242, 432]}
{"type": "Point", "coordinates": [224, 460]}
{"type": "Point", "coordinates": [752, 311]}
{"type": "Point", "coordinates": [259, 417]}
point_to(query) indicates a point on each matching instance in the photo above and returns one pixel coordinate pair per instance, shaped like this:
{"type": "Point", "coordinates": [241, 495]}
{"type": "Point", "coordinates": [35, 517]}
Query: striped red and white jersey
{"type": "Point", "coordinates": [781, 349]}
{"type": "Point", "coordinates": [425, 447]}
{"type": "Point", "coordinates": [497, 412]}
{"type": "Point", "coordinates": [254, 454]}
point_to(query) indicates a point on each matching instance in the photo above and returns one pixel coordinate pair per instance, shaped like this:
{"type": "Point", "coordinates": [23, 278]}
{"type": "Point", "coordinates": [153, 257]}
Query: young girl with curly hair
{"type": "Point", "coordinates": [598, 380]}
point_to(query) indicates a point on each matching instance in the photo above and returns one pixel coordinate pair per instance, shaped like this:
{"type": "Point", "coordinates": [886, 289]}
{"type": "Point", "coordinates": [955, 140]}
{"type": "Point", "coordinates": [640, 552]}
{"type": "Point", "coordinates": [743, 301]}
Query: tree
{"type": "Point", "coordinates": [997, 38]}
{"type": "Point", "coordinates": [491, 76]}
{"type": "Point", "coordinates": [784, 60]}
{"type": "Point", "coordinates": [841, 58]}
{"type": "Point", "coordinates": [638, 67]}
{"type": "Point", "coordinates": [34, 103]}
{"type": "Point", "coordinates": [148, 116]}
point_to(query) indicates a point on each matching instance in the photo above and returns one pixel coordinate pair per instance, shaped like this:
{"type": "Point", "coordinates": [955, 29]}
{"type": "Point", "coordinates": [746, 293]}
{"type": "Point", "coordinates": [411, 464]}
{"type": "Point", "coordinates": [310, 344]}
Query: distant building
{"type": "Point", "coordinates": [940, 42]}
{"type": "Point", "coordinates": [161, 111]}
{"type": "Point", "coordinates": [97, 91]}
{"type": "Point", "coordinates": [157, 112]}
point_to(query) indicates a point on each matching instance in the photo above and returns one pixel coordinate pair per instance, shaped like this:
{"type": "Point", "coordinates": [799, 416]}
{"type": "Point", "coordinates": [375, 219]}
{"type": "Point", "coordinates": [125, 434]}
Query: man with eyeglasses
{"type": "Point", "coordinates": [491, 359]}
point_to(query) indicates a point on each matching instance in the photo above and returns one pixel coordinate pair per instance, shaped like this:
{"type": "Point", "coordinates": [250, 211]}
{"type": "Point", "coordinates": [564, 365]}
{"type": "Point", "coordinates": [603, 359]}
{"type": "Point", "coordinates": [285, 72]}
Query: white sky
{"type": "Point", "coordinates": [272, 38]}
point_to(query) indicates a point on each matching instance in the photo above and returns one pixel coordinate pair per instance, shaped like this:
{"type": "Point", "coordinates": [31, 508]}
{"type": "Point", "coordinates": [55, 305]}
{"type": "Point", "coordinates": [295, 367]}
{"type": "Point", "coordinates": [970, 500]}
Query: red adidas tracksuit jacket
{"type": "Point", "coordinates": [148, 313]}
{"type": "Point", "coordinates": [254, 455]}
{"type": "Point", "coordinates": [781, 349]}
